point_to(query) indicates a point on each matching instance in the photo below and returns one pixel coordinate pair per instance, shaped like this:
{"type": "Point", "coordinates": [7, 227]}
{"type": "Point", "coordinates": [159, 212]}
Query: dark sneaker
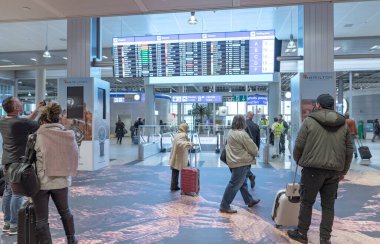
{"type": "Point", "coordinates": [356, 155]}
{"type": "Point", "coordinates": [297, 236]}
{"type": "Point", "coordinates": [229, 211]}
{"type": "Point", "coordinates": [175, 189]}
{"type": "Point", "coordinates": [252, 180]}
{"type": "Point", "coordinates": [325, 241]}
{"type": "Point", "coordinates": [6, 227]}
{"type": "Point", "coordinates": [12, 231]}
{"type": "Point", "coordinates": [253, 203]}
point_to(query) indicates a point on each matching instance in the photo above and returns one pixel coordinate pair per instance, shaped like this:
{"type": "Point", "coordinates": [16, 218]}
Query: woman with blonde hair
{"type": "Point", "coordinates": [57, 160]}
{"type": "Point", "coordinates": [240, 154]}
{"type": "Point", "coordinates": [179, 154]}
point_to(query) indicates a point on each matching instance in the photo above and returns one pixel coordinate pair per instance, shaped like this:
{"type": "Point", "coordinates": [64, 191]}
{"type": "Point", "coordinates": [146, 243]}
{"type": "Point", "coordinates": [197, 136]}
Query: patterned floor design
{"type": "Point", "coordinates": [132, 204]}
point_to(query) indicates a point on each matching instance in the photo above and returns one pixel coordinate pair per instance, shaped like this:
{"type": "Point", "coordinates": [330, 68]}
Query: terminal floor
{"type": "Point", "coordinates": [131, 203]}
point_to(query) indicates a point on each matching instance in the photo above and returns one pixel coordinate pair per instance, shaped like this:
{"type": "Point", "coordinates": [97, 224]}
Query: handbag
{"type": "Point", "coordinates": [23, 175]}
{"type": "Point", "coordinates": [223, 156]}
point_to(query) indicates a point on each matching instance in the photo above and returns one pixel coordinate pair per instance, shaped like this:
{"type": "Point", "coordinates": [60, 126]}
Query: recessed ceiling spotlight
{"type": "Point", "coordinates": [29, 94]}
{"type": "Point", "coordinates": [376, 47]}
{"type": "Point", "coordinates": [65, 58]}
{"type": "Point", "coordinates": [356, 74]}
{"type": "Point", "coordinates": [33, 59]}
{"type": "Point", "coordinates": [337, 48]}
{"type": "Point", "coordinates": [19, 82]}
{"type": "Point", "coordinates": [105, 57]}
{"type": "Point", "coordinates": [5, 60]}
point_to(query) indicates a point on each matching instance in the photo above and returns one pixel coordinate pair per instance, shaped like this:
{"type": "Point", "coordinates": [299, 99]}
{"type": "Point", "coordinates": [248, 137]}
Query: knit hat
{"type": "Point", "coordinates": [326, 101]}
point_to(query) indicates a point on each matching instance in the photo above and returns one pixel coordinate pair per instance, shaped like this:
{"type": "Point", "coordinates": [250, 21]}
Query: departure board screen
{"type": "Point", "coordinates": [222, 53]}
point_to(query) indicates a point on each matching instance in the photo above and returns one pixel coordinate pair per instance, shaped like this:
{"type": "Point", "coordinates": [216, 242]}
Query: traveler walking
{"type": "Point", "coordinates": [15, 131]}
{"type": "Point", "coordinates": [376, 129]}
{"type": "Point", "coordinates": [240, 153]}
{"type": "Point", "coordinates": [351, 124]}
{"type": "Point", "coordinates": [284, 127]}
{"type": "Point", "coordinates": [120, 131]}
{"type": "Point", "coordinates": [277, 132]}
{"type": "Point", "coordinates": [323, 148]}
{"type": "Point", "coordinates": [57, 159]}
{"type": "Point", "coordinates": [253, 131]}
{"type": "Point", "coordinates": [179, 155]}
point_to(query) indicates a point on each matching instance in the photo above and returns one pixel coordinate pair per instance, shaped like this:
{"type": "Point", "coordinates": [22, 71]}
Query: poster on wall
{"type": "Point", "coordinates": [312, 85]}
{"type": "Point", "coordinates": [76, 106]}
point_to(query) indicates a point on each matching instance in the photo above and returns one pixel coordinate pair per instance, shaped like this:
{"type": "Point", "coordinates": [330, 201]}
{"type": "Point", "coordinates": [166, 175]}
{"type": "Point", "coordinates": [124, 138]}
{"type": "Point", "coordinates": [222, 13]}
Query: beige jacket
{"type": "Point", "coordinates": [180, 151]}
{"type": "Point", "coordinates": [54, 182]}
{"type": "Point", "coordinates": [240, 149]}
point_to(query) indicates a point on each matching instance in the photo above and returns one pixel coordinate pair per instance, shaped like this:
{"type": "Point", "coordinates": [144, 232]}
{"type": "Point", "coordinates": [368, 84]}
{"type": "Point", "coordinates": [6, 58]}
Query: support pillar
{"type": "Point", "coordinates": [150, 105]}
{"type": "Point", "coordinates": [40, 88]}
{"type": "Point", "coordinates": [350, 94]}
{"type": "Point", "coordinates": [274, 97]}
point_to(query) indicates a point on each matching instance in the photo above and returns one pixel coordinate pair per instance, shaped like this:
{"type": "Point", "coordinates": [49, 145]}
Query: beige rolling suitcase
{"type": "Point", "coordinates": [287, 205]}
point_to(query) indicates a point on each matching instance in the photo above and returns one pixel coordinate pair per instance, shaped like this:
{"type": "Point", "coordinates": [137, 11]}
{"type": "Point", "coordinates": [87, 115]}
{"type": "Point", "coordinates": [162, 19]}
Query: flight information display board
{"type": "Point", "coordinates": [225, 53]}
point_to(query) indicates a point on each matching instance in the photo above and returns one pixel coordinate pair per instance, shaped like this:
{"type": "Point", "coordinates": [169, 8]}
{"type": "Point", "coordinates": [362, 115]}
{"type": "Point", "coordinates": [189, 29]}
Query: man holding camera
{"type": "Point", "coordinates": [15, 131]}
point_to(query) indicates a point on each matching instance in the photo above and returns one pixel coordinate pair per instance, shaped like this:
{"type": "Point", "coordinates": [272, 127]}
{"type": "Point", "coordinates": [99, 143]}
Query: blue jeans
{"type": "Point", "coordinates": [11, 205]}
{"type": "Point", "coordinates": [237, 182]}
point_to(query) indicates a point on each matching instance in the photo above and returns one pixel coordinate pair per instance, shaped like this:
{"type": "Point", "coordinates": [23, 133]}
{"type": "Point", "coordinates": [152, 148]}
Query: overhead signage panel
{"type": "Point", "coordinates": [207, 54]}
{"type": "Point", "coordinates": [197, 99]}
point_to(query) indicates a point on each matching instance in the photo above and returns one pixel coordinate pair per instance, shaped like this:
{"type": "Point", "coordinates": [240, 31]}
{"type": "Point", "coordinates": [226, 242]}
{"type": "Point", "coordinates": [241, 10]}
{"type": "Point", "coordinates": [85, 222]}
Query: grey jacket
{"type": "Point", "coordinates": [240, 149]}
{"type": "Point", "coordinates": [324, 142]}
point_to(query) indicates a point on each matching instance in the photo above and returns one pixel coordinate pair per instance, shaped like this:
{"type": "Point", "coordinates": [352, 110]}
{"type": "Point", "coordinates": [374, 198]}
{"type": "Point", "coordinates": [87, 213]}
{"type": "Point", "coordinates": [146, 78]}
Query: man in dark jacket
{"type": "Point", "coordinates": [15, 131]}
{"type": "Point", "coordinates": [324, 149]}
{"type": "Point", "coordinates": [253, 131]}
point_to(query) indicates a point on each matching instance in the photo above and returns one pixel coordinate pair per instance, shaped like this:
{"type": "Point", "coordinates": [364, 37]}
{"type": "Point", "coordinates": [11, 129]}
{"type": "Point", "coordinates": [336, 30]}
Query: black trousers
{"type": "Point", "coordinates": [41, 206]}
{"type": "Point", "coordinates": [282, 143]}
{"type": "Point", "coordinates": [119, 139]}
{"type": "Point", "coordinates": [326, 183]}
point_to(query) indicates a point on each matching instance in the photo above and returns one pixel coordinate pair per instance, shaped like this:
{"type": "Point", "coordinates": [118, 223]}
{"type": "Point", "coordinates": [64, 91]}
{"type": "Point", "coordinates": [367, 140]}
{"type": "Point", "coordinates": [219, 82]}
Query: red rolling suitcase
{"type": "Point", "coordinates": [190, 179]}
{"type": "Point", "coordinates": [26, 224]}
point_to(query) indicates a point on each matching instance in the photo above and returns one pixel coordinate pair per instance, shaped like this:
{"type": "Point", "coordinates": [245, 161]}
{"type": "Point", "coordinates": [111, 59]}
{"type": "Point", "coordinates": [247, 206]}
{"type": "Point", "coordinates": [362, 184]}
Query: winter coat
{"type": "Point", "coordinates": [180, 151]}
{"type": "Point", "coordinates": [240, 149]}
{"type": "Point", "coordinates": [324, 142]}
{"type": "Point", "coordinates": [120, 129]}
{"type": "Point", "coordinates": [65, 156]}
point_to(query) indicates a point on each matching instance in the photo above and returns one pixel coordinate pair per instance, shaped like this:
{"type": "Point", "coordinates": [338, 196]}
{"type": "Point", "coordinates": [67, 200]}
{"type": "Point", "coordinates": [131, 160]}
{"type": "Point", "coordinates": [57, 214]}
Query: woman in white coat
{"type": "Point", "coordinates": [179, 154]}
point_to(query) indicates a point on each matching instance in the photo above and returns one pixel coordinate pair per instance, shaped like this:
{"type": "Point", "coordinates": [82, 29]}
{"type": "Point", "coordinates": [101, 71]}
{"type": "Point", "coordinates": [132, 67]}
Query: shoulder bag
{"type": "Point", "coordinates": [23, 175]}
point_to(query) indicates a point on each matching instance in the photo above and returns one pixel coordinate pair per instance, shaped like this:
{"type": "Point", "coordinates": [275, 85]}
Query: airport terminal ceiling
{"type": "Point", "coordinates": [355, 26]}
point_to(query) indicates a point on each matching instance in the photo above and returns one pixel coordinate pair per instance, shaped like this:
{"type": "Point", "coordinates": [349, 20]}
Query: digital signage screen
{"type": "Point", "coordinates": [224, 53]}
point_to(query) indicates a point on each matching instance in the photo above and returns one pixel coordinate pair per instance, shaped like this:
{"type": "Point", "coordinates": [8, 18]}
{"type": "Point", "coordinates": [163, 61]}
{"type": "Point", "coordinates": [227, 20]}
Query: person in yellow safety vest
{"type": "Point", "coordinates": [277, 131]}
{"type": "Point", "coordinates": [264, 126]}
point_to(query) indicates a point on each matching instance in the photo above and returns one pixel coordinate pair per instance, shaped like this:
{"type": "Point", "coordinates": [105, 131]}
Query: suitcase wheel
{"type": "Point", "coordinates": [277, 226]}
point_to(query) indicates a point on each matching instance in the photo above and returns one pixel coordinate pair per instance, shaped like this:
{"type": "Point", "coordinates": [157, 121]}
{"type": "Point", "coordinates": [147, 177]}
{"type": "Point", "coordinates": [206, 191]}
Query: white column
{"type": "Point", "coordinates": [40, 88]}
{"type": "Point", "coordinates": [274, 97]}
{"type": "Point", "coordinates": [350, 94]}
{"type": "Point", "coordinates": [318, 37]}
{"type": "Point", "coordinates": [149, 105]}
{"type": "Point", "coordinates": [79, 47]}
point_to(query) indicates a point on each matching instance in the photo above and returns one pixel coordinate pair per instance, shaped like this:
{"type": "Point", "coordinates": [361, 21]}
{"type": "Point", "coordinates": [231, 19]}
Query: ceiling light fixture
{"type": "Point", "coordinates": [291, 44]}
{"type": "Point", "coordinates": [46, 53]}
{"type": "Point", "coordinates": [29, 94]}
{"type": "Point", "coordinates": [65, 58]}
{"type": "Point", "coordinates": [230, 90]}
{"type": "Point", "coordinates": [376, 47]}
{"type": "Point", "coordinates": [337, 48]}
{"type": "Point", "coordinates": [105, 57]}
{"type": "Point", "coordinates": [33, 59]}
{"type": "Point", "coordinates": [193, 19]}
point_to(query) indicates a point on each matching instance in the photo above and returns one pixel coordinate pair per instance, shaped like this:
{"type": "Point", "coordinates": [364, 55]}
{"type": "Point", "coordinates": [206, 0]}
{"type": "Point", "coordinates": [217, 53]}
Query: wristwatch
{"type": "Point", "coordinates": [102, 139]}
